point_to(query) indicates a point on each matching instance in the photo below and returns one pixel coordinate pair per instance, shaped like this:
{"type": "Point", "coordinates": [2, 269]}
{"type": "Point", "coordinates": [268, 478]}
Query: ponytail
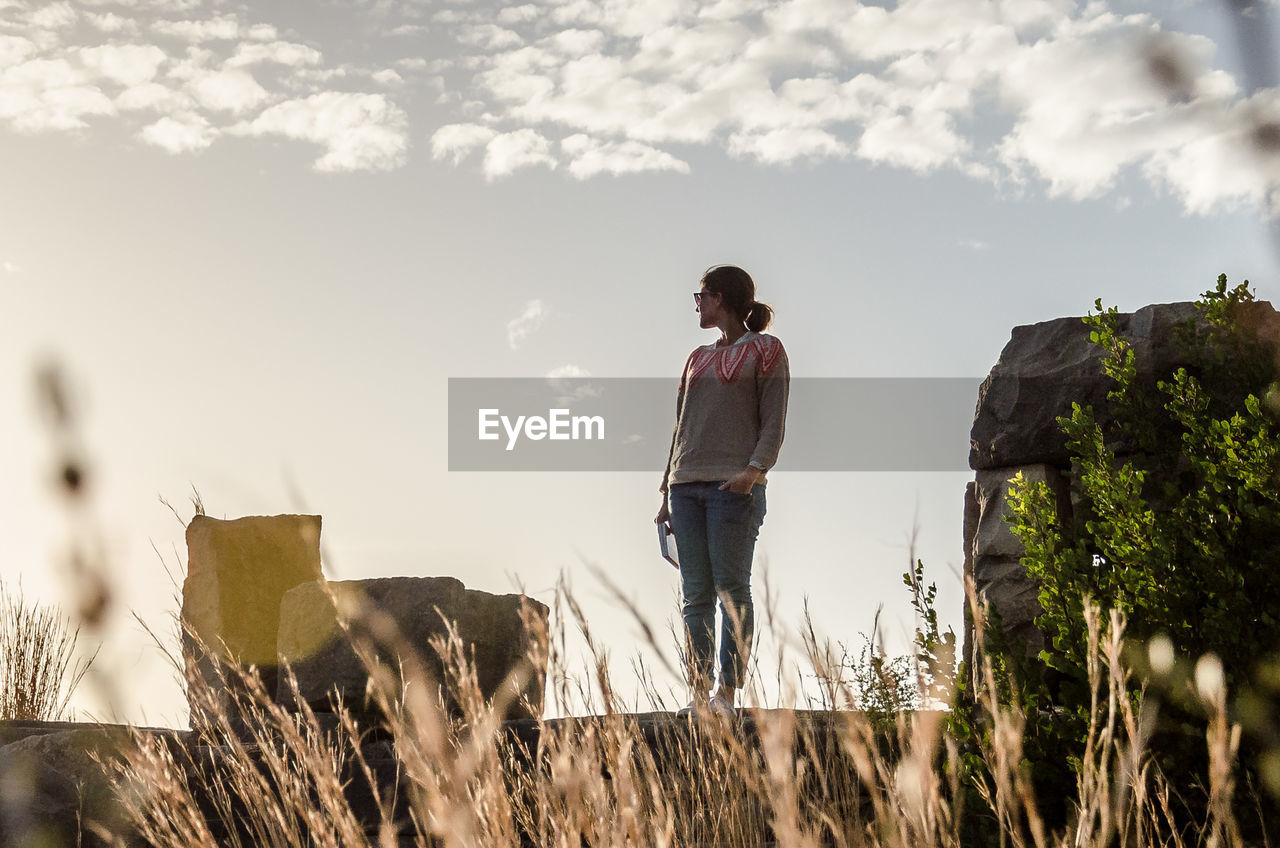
{"type": "Point", "coordinates": [759, 316]}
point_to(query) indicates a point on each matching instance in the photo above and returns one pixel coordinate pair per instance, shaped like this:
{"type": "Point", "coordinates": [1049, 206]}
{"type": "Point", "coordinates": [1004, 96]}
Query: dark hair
{"type": "Point", "coordinates": [738, 291]}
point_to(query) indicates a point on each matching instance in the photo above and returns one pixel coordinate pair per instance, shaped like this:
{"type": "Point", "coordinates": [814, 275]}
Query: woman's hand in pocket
{"type": "Point", "coordinates": [742, 482]}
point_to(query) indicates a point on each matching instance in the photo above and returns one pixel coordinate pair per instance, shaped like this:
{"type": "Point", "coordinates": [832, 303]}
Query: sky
{"type": "Point", "coordinates": [259, 238]}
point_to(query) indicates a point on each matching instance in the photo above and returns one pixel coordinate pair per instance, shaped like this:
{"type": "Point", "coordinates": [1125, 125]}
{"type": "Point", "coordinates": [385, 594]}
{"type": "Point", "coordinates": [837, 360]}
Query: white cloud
{"type": "Point", "coordinates": [360, 132]}
{"type": "Point", "coordinates": [153, 97]}
{"type": "Point", "coordinates": [489, 37]}
{"type": "Point", "coordinates": [1088, 107]}
{"type": "Point", "coordinates": [727, 10]}
{"type": "Point", "coordinates": [10, 267]}
{"type": "Point", "coordinates": [195, 63]}
{"type": "Point", "coordinates": [14, 50]}
{"type": "Point", "coordinates": [224, 28]}
{"type": "Point", "coordinates": [519, 328]}
{"type": "Point", "coordinates": [53, 16]}
{"type": "Point", "coordinates": [225, 68]}
{"type": "Point", "coordinates": [387, 77]}
{"type": "Point", "coordinates": [44, 74]}
{"type": "Point", "coordinates": [509, 152]}
{"type": "Point", "coordinates": [565, 381]}
{"type": "Point", "coordinates": [511, 15]}
{"type": "Point", "coordinates": [624, 17]}
{"type": "Point", "coordinates": [921, 141]}
{"type": "Point", "coordinates": [60, 109]}
{"type": "Point", "coordinates": [185, 134]}
{"type": "Point", "coordinates": [575, 42]}
{"type": "Point", "coordinates": [44, 95]}
{"type": "Point", "coordinates": [1221, 168]}
{"type": "Point", "coordinates": [567, 371]}
{"type": "Point", "coordinates": [456, 141]}
{"type": "Point", "coordinates": [910, 85]}
{"type": "Point", "coordinates": [232, 90]}
{"type": "Point", "coordinates": [112, 23]}
{"type": "Point", "coordinates": [284, 53]}
{"type": "Point", "coordinates": [262, 32]}
{"type": "Point", "coordinates": [127, 64]}
{"type": "Point", "coordinates": [589, 157]}
{"type": "Point", "coordinates": [780, 146]}
{"type": "Point", "coordinates": [1049, 93]}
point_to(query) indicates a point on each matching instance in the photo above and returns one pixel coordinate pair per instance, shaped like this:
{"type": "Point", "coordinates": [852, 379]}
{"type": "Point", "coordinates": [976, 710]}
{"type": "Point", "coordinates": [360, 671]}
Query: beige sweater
{"type": "Point", "coordinates": [730, 411]}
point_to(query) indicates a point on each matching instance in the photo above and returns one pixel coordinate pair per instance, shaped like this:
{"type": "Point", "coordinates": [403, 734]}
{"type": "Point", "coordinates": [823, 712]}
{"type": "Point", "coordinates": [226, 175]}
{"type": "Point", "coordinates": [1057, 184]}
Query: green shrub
{"type": "Point", "coordinates": [1179, 531]}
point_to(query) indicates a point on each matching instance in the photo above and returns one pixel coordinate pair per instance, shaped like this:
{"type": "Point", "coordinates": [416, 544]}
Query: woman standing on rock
{"type": "Point", "coordinates": [730, 414]}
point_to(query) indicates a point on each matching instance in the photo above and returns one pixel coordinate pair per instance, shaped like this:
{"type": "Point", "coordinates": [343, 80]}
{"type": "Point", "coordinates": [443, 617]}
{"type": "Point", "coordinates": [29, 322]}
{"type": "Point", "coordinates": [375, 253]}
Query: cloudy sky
{"type": "Point", "coordinates": [260, 237]}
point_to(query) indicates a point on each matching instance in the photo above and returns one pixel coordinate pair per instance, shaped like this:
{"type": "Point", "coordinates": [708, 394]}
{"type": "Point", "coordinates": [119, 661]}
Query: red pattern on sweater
{"type": "Point", "coordinates": [730, 358]}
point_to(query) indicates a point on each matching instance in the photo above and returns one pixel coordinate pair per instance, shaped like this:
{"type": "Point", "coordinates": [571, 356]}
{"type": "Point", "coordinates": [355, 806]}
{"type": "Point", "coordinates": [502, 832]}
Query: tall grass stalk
{"type": "Point", "coordinates": [801, 780]}
{"type": "Point", "coordinates": [39, 667]}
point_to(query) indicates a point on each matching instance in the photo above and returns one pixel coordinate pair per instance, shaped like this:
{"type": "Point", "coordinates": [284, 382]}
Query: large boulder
{"type": "Point", "coordinates": [1046, 366]}
{"type": "Point", "coordinates": [503, 633]}
{"type": "Point", "coordinates": [1043, 369]}
{"type": "Point", "coordinates": [237, 573]}
{"type": "Point", "coordinates": [55, 788]}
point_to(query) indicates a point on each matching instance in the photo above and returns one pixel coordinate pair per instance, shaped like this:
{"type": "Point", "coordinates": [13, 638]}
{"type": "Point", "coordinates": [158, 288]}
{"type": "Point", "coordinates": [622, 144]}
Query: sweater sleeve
{"type": "Point", "coordinates": [773, 387]}
{"type": "Point", "coordinates": [676, 428]}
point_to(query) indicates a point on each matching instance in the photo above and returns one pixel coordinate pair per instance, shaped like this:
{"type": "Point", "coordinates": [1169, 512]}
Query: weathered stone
{"type": "Point", "coordinates": [993, 536]}
{"type": "Point", "coordinates": [971, 513]}
{"type": "Point", "coordinates": [55, 789]}
{"type": "Point", "coordinates": [1043, 369]}
{"type": "Point", "coordinates": [490, 626]}
{"type": "Point", "coordinates": [994, 553]}
{"type": "Point", "coordinates": [1046, 366]}
{"type": "Point", "coordinates": [237, 572]}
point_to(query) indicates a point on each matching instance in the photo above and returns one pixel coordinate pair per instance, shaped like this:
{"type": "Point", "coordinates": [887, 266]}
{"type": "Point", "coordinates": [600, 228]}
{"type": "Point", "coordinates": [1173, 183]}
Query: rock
{"type": "Point", "coordinates": [1046, 366]}
{"type": "Point", "coordinates": [971, 513]}
{"type": "Point", "coordinates": [237, 572]}
{"type": "Point", "coordinates": [994, 553]}
{"type": "Point", "coordinates": [491, 626]}
{"type": "Point", "coordinates": [1041, 371]}
{"type": "Point", "coordinates": [993, 536]}
{"type": "Point", "coordinates": [54, 792]}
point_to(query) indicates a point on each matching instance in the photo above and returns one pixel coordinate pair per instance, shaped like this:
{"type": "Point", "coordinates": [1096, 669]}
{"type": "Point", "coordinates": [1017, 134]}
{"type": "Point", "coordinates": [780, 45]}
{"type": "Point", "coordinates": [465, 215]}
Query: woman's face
{"type": "Point", "coordinates": [710, 309]}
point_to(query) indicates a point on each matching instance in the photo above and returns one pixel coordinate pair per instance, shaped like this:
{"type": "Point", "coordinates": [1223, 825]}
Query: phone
{"type": "Point", "coordinates": [667, 544]}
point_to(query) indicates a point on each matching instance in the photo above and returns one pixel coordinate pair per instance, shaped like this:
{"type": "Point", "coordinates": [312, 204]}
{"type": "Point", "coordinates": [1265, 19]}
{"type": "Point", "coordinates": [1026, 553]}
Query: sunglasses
{"type": "Point", "coordinates": [697, 296]}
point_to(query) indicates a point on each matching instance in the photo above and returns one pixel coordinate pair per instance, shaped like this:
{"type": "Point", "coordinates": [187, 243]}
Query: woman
{"type": "Point", "coordinates": [730, 413]}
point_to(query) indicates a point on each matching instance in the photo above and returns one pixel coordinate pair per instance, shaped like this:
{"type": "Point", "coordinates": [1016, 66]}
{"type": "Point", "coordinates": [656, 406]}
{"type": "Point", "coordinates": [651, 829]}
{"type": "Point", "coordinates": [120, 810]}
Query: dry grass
{"type": "Point", "coordinates": [39, 669]}
{"type": "Point", "coordinates": [284, 779]}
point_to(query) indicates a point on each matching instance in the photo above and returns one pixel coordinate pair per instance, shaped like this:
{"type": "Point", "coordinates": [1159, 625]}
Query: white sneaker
{"type": "Point", "coordinates": [715, 705]}
{"type": "Point", "coordinates": [721, 706]}
{"type": "Point", "coordinates": [700, 704]}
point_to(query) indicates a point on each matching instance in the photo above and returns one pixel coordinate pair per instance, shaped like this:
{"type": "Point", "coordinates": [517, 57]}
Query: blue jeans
{"type": "Point", "coordinates": [716, 535]}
